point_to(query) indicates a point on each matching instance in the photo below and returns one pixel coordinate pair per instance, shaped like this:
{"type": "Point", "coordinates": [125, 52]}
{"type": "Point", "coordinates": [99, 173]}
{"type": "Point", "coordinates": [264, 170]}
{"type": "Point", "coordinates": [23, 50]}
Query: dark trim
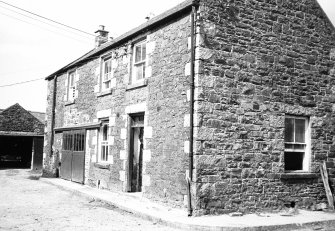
{"type": "Point", "coordinates": [142, 83]}
{"type": "Point", "coordinates": [14, 134]}
{"type": "Point", "coordinates": [167, 16]}
{"type": "Point", "coordinates": [68, 103]}
{"type": "Point", "coordinates": [78, 127]}
{"type": "Point", "coordinates": [298, 175]}
{"type": "Point", "coordinates": [190, 155]}
{"type": "Point", "coordinates": [129, 150]}
{"type": "Point", "coordinates": [102, 165]}
{"type": "Point", "coordinates": [54, 94]}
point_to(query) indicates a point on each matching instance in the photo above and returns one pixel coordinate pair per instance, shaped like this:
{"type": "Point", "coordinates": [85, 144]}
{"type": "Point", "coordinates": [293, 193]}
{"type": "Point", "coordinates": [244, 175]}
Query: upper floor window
{"type": "Point", "coordinates": [297, 143]}
{"type": "Point", "coordinates": [71, 86]}
{"type": "Point", "coordinates": [107, 73]}
{"type": "Point", "coordinates": [139, 61]}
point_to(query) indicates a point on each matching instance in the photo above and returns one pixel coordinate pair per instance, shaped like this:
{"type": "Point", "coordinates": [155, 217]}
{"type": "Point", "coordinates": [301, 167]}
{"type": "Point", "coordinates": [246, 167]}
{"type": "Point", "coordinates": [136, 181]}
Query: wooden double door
{"type": "Point", "coordinates": [73, 156]}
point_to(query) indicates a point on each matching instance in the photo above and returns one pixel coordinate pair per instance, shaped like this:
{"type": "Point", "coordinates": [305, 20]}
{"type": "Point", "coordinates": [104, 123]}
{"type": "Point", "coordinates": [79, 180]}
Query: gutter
{"type": "Point", "coordinates": [190, 166]}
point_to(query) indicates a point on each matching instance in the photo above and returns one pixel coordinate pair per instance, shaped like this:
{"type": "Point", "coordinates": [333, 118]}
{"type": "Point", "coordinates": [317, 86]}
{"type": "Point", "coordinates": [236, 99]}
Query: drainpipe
{"type": "Point", "coordinates": [53, 117]}
{"type": "Point", "coordinates": [190, 170]}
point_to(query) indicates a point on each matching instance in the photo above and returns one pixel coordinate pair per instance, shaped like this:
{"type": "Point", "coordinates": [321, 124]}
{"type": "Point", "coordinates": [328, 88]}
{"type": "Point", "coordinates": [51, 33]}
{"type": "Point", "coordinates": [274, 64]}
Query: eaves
{"type": "Point", "coordinates": [167, 16]}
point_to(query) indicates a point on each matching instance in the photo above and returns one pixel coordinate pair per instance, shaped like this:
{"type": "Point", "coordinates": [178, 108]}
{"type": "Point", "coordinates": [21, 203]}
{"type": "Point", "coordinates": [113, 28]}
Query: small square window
{"type": "Point", "coordinates": [139, 62]}
{"type": "Point", "coordinates": [297, 143]}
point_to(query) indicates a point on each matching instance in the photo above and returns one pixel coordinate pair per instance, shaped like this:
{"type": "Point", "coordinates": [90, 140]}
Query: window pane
{"type": "Point", "coordinates": [139, 72]}
{"type": "Point", "coordinates": [143, 51]}
{"type": "Point", "coordinates": [105, 132]}
{"type": "Point", "coordinates": [103, 153]}
{"type": "Point", "coordinates": [293, 160]}
{"type": "Point", "coordinates": [143, 74]}
{"type": "Point", "coordinates": [137, 54]}
{"type": "Point", "coordinates": [300, 130]}
{"type": "Point", "coordinates": [75, 141]}
{"type": "Point", "coordinates": [71, 82]}
{"type": "Point", "coordinates": [70, 142]}
{"type": "Point", "coordinates": [289, 129]}
{"type": "Point", "coordinates": [107, 84]}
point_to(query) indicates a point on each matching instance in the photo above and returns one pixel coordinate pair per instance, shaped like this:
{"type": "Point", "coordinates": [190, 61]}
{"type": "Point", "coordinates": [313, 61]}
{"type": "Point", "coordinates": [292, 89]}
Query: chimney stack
{"type": "Point", "coordinates": [101, 36]}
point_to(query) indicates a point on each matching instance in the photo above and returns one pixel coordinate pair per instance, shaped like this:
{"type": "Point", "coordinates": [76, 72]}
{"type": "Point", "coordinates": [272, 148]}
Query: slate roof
{"type": "Point", "coordinates": [19, 121]}
{"type": "Point", "coordinates": [158, 20]}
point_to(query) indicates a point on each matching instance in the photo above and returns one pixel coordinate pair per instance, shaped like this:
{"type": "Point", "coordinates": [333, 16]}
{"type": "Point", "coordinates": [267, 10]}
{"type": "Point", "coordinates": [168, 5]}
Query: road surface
{"type": "Point", "coordinates": [29, 204]}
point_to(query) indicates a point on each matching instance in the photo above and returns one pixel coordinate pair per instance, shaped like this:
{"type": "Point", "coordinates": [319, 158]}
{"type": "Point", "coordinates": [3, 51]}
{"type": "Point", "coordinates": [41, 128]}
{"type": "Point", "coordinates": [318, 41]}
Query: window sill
{"type": "Point", "coordinates": [141, 83]}
{"type": "Point", "coordinates": [102, 165]}
{"type": "Point", "coordinates": [106, 92]}
{"type": "Point", "coordinates": [70, 102]}
{"type": "Point", "coordinates": [298, 175]}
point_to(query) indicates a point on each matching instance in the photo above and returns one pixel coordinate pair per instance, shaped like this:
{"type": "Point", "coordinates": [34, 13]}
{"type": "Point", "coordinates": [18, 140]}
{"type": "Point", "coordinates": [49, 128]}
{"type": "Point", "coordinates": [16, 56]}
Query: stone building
{"type": "Point", "coordinates": [21, 138]}
{"type": "Point", "coordinates": [220, 105]}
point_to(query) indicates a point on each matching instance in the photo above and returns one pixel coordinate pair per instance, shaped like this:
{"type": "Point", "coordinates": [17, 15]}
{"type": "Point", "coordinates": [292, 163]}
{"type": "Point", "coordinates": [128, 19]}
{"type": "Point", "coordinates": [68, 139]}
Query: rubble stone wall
{"type": "Point", "coordinates": [261, 60]}
{"type": "Point", "coordinates": [162, 98]}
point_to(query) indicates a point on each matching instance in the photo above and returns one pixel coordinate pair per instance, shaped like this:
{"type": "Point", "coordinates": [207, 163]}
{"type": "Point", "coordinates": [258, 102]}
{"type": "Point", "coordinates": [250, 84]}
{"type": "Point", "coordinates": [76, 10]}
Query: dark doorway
{"type": "Point", "coordinates": [73, 156]}
{"type": "Point", "coordinates": [135, 157]}
{"type": "Point", "coordinates": [16, 151]}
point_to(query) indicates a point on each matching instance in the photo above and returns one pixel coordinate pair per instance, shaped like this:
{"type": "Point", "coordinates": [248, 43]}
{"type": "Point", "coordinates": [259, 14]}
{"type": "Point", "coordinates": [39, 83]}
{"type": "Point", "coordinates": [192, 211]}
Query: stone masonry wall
{"type": "Point", "coordinates": [260, 60]}
{"type": "Point", "coordinates": [163, 99]}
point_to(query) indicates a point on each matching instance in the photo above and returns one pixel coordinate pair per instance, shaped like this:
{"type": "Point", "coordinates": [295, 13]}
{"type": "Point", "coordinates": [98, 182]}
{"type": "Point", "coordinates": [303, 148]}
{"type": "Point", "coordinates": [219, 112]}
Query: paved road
{"type": "Point", "coordinates": [29, 204]}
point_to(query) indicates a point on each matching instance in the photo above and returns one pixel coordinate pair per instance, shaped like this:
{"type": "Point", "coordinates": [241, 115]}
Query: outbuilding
{"type": "Point", "coordinates": [21, 138]}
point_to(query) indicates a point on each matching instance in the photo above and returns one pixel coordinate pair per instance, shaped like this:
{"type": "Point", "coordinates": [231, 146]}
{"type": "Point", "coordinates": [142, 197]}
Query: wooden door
{"type": "Point", "coordinates": [135, 157]}
{"type": "Point", "coordinates": [73, 156]}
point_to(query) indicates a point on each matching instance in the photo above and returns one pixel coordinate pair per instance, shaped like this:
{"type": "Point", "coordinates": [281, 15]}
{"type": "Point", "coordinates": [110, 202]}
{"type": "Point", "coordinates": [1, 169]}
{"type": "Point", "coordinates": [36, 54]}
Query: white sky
{"type": "Point", "coordinates": [31, 50]}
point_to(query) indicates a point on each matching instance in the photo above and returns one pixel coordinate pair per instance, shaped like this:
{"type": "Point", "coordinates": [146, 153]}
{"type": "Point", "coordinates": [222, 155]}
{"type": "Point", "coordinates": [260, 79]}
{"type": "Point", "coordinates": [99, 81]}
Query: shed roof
{"type": "Point", "coordinates": [17, 119]}
{"type": "Point", "coordinates": [154, 22]}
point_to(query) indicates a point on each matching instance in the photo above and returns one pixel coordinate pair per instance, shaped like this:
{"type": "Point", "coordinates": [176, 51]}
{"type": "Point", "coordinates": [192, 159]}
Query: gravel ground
{"type": "Point", "coordinates": [29, 204]}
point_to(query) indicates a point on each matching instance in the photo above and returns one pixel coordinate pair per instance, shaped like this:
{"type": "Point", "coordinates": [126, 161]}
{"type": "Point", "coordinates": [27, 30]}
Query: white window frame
{"type": "Point", "coordinates": [104, 143]}
{"type": "Point", "coordinates": [106, 77]}
{"type": "Point", "coordinates": [307, 144]}
{"type": "Point", "coordinates": [140, 63]}
{"type": "Point", "coordinates": [72, 82]}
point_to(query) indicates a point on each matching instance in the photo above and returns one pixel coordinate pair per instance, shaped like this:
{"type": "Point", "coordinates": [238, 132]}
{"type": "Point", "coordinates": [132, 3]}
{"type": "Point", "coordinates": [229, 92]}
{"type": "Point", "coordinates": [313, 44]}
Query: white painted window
{"type": "Point", "coordinates": [139, 60]}
{"type": "Point", "coordinates": [106, 73]}
{"type": "Point", "coordinates": [297, 143]}
{"type": "Point", "coordinates": [72, 82]}
{"type": "Point", "coordinates": [103, 157]}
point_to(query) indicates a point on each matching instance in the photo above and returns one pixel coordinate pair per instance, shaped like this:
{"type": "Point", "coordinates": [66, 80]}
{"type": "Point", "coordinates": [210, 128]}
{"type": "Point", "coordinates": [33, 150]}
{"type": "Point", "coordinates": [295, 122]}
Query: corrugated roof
{"type": "Point", "coordinates": [166, 16]}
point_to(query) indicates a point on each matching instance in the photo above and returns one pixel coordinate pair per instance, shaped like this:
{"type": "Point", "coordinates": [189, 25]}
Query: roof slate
{"type": "Point", "coordinates": [158, 20]}
{"type": "Point", "coordinates": [17, 119]}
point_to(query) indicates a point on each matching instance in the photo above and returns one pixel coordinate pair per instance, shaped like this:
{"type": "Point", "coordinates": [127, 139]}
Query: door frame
{"type": "Point", "coordinates": [130, 144]}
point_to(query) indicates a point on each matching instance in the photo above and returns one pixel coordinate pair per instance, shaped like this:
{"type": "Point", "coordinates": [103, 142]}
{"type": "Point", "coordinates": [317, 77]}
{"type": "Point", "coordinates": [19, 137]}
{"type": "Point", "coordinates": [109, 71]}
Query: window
{"type": "Point", "coordinates": [297, 143]}
{"type": "Point", "coordinates": [73, 141]}
{"type": "Point", "coordinates": [71, 86]}
{"type": "Point", "coordinates": [104, 142]}
{"type": "Point", "coordinates": [139, 62]}
{"type": "Point", "coordinates": [106, 73]}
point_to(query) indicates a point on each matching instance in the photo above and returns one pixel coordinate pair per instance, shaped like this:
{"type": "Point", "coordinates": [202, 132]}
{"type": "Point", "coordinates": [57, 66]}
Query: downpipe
{"type": "Point", "coordinates": [190, 167]}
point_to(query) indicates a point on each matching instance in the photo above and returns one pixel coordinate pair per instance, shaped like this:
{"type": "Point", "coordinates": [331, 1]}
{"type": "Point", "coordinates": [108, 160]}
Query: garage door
{"type": "Point", "coordinates": [73, 156]}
